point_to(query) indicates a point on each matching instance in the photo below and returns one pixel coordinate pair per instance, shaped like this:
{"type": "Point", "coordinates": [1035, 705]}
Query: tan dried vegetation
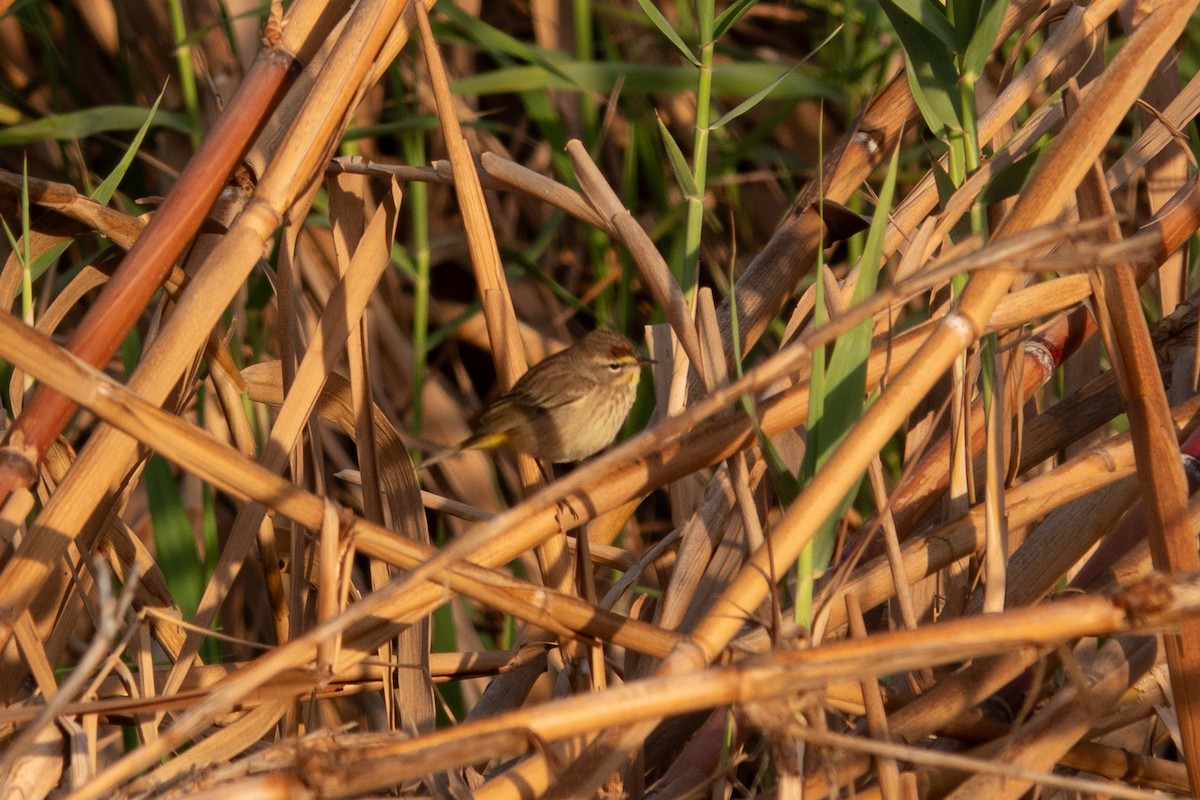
{"type": "Point", "coordinates": [221, 575]}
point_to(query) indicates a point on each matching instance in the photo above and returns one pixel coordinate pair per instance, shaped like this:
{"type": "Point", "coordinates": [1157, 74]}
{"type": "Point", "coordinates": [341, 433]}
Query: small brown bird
{"type": "Point", "coordinates": [566, 407]}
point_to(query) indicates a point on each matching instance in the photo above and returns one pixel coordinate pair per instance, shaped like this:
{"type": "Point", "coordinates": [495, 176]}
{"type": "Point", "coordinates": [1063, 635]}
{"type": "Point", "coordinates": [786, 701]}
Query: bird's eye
{"type": "Point", "coordinates": [615, 366]}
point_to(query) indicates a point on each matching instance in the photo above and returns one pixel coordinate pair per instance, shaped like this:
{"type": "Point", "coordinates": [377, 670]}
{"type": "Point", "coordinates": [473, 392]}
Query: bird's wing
{"type": "Point", "coordinates": [551, 394]}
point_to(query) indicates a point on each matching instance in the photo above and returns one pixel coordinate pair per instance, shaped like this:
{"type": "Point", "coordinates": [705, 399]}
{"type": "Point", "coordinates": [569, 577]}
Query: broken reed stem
{"type": "Point", "coordinates": [151, 258]}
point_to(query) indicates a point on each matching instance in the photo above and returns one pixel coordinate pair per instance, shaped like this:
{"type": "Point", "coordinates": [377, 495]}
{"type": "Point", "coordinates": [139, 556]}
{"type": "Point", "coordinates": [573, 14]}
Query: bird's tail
{"type": "Point", "coordinates": [440, 456]}
{"type": "Point", "coordinates": [480, 441]}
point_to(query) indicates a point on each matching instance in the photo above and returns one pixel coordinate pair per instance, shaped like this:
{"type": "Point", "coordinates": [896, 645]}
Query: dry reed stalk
{"type": "Point", "coordinates": [408, 694]}
{"type": "Point", "coordinates": [342, 314]}
{"type": "Point", "coordinates": [114, 698]}
{"type": "Point", "coordinates": [1114, 763]}
{"type": "Point", "coordinates": [227, 469]}
{"type": "Point", "coordinates": [1167, 171]}
{"type": "Point", "coordinates": [1164, 489]}
{"type": "Point", "coordinates": [507, 350]}
{"type": "Point", "coordinates": [1099, 682]}
{"type": "Point", "coordinates": [877, 724]}
{"type": "Point", "coordinates": [1093, 469]}
{"type": "Point", "coordinates": [651, 266]}
{"type": "Point", "coordinates": [122, 229]}
{"type": "Point", "coordinates": [152, 256]}
{"type": "Point", "coordinates": [1087, 131]}
{"type": "Point", "coordinates": [221, 713]}
{"type": "Point", "coordinates": [366, 762]}
{"type": "Point", "coordinates": [83, 494]}
{"type": "Point", "coordinates": [495, 172]}
{"type": "Point", "coordinates": [1045, 352]}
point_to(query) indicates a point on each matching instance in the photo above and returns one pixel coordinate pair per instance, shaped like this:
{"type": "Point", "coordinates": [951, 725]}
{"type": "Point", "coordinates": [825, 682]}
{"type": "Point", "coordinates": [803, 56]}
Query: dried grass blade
{"type": "Point", "coordinates": [996, 526]}
{"type": "Point", "coordinates": [342, 312]}
{"type": "Point", "coordinates": [1164, 487]}
{"type": "Point", "coordinates": [87, 280]}
{"type": "Point", "coordinates": [1095, 468]}
{"type": "Point", "coordinates": [1183, 107]}
{"type": "Point", "coordinates": [649, 261]}
{"type": "Point", "coordinates": [152, 256]}
{"type": "Point", "coordinates": [699, 538]}
{"type": "Point", "coordinates": [231, 472]}
{"type": "Point", "coordinates": [778, 674]}
{"type": "Point", "coordinates": [550, 191]}
{"type": "Point", "coordinates": [86, 493]}
{"type": "Point", "coordinates": [889, 772]}
{"type": "Point", "coordinates": [122, 229]}
{"type": "Point", "coordinates": [407, 693]}
{"type": "Point", "coordinates": [1087, 132]}
{"type": "Point", "coordinates": [1065, 718]}
{"type": "Point", "coordinates": [1166, 173]}
{"type": "Point", "coordinates": [507, 350]}
{"type": "Point", "coordinates": [1062, 539]}
{"type": "Point", "coordinates": [223, 745]}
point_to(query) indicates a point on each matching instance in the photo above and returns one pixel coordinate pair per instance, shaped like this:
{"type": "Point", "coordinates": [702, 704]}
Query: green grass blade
{"type": "Point", "coordinates": [750, 102]}
{"type": "Point", "coordinates": [497, 42]}
{"type": "Point", "coordinates": [108, 186]}
{"type": "Point", "coordinates": [102, 193]}
{"type": "Point", "coordinates": [837, 393]}
{"type": "Point", "coordinates": [929, 51]}
{"type": "Point", "coordinates": [82, 124]}
{"type": "Point", "coordinates": [187, 78]}
{"type": "Point", "coordinates": [645, 80]}
{"type": "Point", "coordinates": [730, 16]}
{"type": "Point", "coordinates": [979, 47]}
{"type": "Point", "coordinates": [847, 374]}
{"type": "Point", "coordinates": [173, 536]}
{"type": "Point", "coordinates": [761, 94]}
{"type": "Point", "coordinates": [665, 28]}
{"type": "Point", "coordinates": [679, 165]}
{"type": "Point", "coordinates": [924, 19]}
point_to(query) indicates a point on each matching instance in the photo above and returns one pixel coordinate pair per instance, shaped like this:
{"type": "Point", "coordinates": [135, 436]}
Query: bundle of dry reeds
{"type": "Point", "coordinates": [903, 512]}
